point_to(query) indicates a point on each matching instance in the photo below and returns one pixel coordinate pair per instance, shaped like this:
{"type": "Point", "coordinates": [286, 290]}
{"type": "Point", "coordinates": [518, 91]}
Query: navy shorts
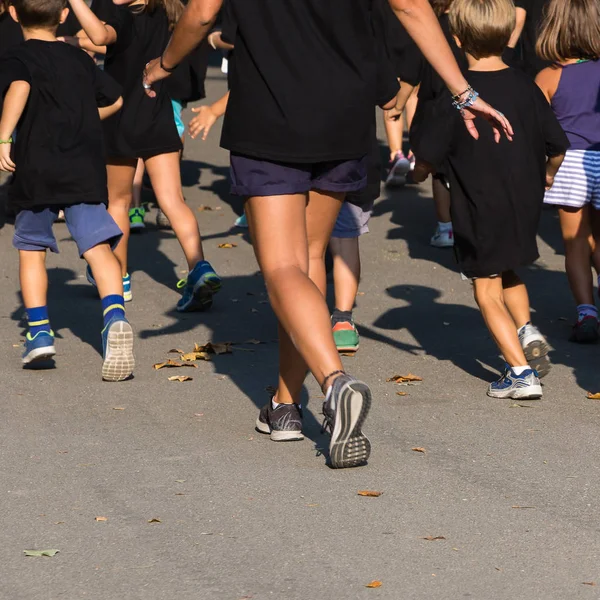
{"type": "Point", "coordinates": [89, 225]}
{"type": "Point", "coordinates": [352, 221]}
{"type": "Point", "coordinates": [256, 177]}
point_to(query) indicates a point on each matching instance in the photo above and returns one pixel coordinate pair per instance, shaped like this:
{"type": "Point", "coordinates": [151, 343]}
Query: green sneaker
{"type": "Point", "coordinates": [136, 218]}
{"type": "Point", "coordinates": [346, 336]}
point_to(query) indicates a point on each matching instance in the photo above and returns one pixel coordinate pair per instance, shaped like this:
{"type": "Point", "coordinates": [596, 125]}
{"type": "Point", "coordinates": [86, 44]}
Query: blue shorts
{"type": "Point", "coordinates": [352, 221]}
{"type": "Point", "coordinates": [255, 177]}
{"type": "Point", "coordinates": [89, 225]}
{"type": "Point", "coordinates": [178, 114]}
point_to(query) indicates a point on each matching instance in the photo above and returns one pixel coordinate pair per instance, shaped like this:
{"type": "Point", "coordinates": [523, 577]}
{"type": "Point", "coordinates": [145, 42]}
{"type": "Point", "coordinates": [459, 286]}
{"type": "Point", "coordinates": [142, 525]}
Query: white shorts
{"type": "Point", "coordinates": [577, 182]}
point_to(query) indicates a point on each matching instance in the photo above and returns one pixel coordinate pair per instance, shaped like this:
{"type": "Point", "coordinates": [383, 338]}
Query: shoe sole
{"type": "Point", "coordinates": [203, 296]}
{"type": "Point", "coordinates": [127, 296]}
{"type": "Point", "coordinates": [137, 226]}
{"type": "Point", "coordinates": [349, 446]}
{"type": "Point", "coordinates": [278, 436]}
{"type": "Point", "coordinates": [348, 348]}
{"type": "Point", "coordinates": [397, 176]}
{"type": "Point", "coordinates": [536, 354]}
{"type": "Point", "coordinates": [39, 354]}
{"type": "Point", "coordinates": [441, 244]}
{"type": "Point", "coordinates": [533, 392]}
{"type": "Point", "coordinates": [119, 361]}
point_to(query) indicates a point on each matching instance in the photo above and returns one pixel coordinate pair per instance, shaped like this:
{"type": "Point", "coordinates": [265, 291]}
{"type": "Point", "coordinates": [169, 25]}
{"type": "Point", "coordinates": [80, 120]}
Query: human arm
{"type": "Point", "coordinates": [99, 33]}
{"type": "Point", "coordinates": [394, 113]}
{"type": "Point", "coordinates": [15, 101]}
{"type": "Point", "coordinates": [207, 117]}
{"type": "Point", "coordinates": [215, 39]}
{"type": "Point", "coordinates": [109, 111]}
{"type": "Point", "coordinates": [81, 40]}
{"type": "Point", "coordinates": [552, 165]}
{"type": "Point", "coordinates": [521, 14]}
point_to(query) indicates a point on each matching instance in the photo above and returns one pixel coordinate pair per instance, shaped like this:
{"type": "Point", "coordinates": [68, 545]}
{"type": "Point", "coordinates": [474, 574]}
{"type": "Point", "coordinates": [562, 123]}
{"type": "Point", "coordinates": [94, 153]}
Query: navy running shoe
{"type": "Point", "coordinates": [201, 285]}
{"type": "Point", "coordinates": [117, 350]}
{"type": "Point", "coordinates": [38, 347]}
{"type": "Point", "coordinates": [525, 386]}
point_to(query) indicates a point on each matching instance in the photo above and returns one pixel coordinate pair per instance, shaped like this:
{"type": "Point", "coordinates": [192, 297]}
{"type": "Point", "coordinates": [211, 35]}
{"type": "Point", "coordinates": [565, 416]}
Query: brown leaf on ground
{"type": "Point", "coordinates": [154, 520]}
{"type": "Point", "coordinates": [350, 354]}
{"type": "Point", "coordinates": [433, 538]}
{"type": "Point", "coordinates": [181, 378]}
{"type": "Point", "coordinates": [374, 584]}
{"type": "Point", "coordinates": [592, 396]}
{"type": "Point", "coordinates": [214, 348]}
{"type": "Point", "coordinates": [118, 408]}
{"type": "Point", "coordinates": [101, 518]}
{"type": "Point", "coordinates": [401, 393]}
{"type": "Point", "coordinates": [369, 493]}
{"type": "Point", "coordinates": [176, 351]}
{"type": "Point", "coordinates": [588, 583]}
{"type": "Point", "coordinates": [188, 357]}
{"type": "Point", "coordinates": [522, 507]}
{"type": "Point", "coordinates": [202, 208]}
{"type": "Point", "coordinates": [227, 245]}
{"type": "Point", "coordinates": [421, 450]}
{"type": "Point", "coordinates": [171, 364]}
{"type": "Point", "coordinates": [404, 378]}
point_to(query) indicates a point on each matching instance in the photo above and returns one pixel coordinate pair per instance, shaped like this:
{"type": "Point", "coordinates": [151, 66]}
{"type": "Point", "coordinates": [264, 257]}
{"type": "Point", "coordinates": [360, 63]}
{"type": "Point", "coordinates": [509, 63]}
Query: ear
{"type": "Point", "coordinates": [13, 13]}
{"type": "Point", "coordinates": [458, 42]}
{"type": "Point", "coordinates": [63, 15]}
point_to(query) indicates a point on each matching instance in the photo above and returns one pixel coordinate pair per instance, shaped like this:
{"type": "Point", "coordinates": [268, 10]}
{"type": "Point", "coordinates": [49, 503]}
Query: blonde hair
{"type": "Point", "coordinates": [483, 27]}
{"type": "Point", "coordinates": [570, 29]}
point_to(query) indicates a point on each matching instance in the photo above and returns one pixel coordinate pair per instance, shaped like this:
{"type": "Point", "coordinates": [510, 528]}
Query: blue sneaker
{"type": "Point", "coordinates": [242, 222]}
{"type": "Point", "coordinates": [117, 350]}
{"type": "Point", "coordinates": [127, 293]}
{"type": "Point", "coordinates": [201, 285]}
{"type": "Point", "coordinates": [38, 347]}
{"type": "Point", "coordinates": [526, 386]}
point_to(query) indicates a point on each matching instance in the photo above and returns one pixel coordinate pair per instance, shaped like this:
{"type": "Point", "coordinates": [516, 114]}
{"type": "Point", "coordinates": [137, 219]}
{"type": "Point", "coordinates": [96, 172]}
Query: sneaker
{"type": "Point", "coordinates": [136, 218]}
{"type": "Point", "coordinates": [346, 336]}
{"type": "Point", "coordinates": [412, 159]}
{"type": "Point", "coordinates": [38, 347]}
{"type": "Point", "coordinates": [242, 222]}
{"type": "Point", "coordinates": [127, 293]}
{"type": "Point", "coordinates": [283, 424]}
{"type": "Point", "coordinates": [536, 349]}
{"type": "Point", "coordinates": [162, 221]}
{"type": "Point", "coordinates": [442, 238]}
{"type": "Point", "coordinates": [585, 331]}
{"type": "Point", "coordinates": [201, 285]}
{"type": "Point", "coordinates": [117, 350]}
{"type": "Point", "coordinates": [399, 168]}
{"type": "Point", "coordinates": [345, 410]}
{"type": "Point", "coordinates": [526, 386]}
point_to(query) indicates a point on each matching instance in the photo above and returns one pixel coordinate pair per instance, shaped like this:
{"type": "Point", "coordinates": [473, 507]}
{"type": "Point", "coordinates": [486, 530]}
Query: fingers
{"type": "Point", "coordinates": [6, 164]}
{"type": "Point", "coordinates": [470, 125]}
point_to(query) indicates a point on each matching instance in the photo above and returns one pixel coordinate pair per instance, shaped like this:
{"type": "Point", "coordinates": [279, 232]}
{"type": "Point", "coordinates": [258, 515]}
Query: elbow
{"type": "Point", "coordinates": [405, 6]}
{"type": "Point", "coordinates": [118, 105]}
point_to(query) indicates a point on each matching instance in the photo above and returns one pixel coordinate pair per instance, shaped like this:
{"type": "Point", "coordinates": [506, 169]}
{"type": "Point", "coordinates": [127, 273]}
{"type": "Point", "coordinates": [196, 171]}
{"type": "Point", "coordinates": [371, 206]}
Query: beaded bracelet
{"type": "Point", "coordinates": [472, 96]}
{"type": "Point", "coordinates": [8, 141]}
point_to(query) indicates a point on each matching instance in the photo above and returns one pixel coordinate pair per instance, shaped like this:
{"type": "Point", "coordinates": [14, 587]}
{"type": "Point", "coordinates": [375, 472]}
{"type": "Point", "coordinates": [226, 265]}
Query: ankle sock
{"type": "Point", "coordinates": [443, 227]}
{"type": "Point", "coordinates": [37, 320]}
{"type": "Point", "coordinates": [586, 310]}
{"type": "Point", "coordinates": [340, 316]}
{"type": "Point", "coordinates": [520, 370]}
{"type": "Point", "coordinates": [113, 306]}
{"type": "Point", "coordinates": [520, 330]}
{"type": "Point", "coordinates": [274, 404]}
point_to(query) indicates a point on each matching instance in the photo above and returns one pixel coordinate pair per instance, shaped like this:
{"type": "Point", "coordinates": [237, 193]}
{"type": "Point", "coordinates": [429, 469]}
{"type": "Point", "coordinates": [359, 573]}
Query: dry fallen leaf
{"type": "Point", "coordinates": [202, 208]}
{"type": "Point", "coordinates": [374, 584]}
{"type": "Point", "coordinates": [404, 378]}
{"type": "Point", "coordinates": [214, 348]}
{"type": "Point", "coordinates": [181, 378]}
{"type": "Point", "coordinates": [421, 450]}
{"type": "Point", "coordinates": [228, 245]}
{"type": "Point", "coordinates": [401, 393]}
{"type": "Point", "coordinates": [589, 583]}
{"type": "Point", "coordinates": [350, 354]}
{"type": "Point", "coordinates": [593, 396]}
{"type": "Point", "coordinates": [154, 520]}
{"type": "Point", "coordinates": [171, 364]}
{"type": "Point", "coordinates": [101, 518]}
{"type": "Point", "coordinates": [40, 552]}
{"type": "Point", "coordinates": [176, 351]}
{"type": "Point", "coordinates": [188, 357]}
{"type": "Point", "coordinates": [523, 507]}
{"type": "Point", "coordinates": [369, 493]}
{"type": "Point", "coordinates": [118, 408]}
{"type": "Point", "coordinates": [434, 538]}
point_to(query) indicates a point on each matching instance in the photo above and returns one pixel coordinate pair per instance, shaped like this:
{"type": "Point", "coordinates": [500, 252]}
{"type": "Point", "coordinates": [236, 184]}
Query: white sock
{"type": "Point", "coordinates": [328, 395]}
{"type": "Point", "coordinates": [445, 226]}
{"type": "Point", "coordinates": [586, 310]}
{"type": "Point", "coordinates": [520, 370]}
{"type": "Point", "coordinates": [520, 330]}
{"type": "Point", "coordinates": [276, 404]}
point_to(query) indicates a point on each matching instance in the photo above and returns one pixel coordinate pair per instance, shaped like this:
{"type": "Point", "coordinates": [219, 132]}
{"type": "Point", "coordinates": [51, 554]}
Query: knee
{"type": "Point", "coordinates": [486, 295]}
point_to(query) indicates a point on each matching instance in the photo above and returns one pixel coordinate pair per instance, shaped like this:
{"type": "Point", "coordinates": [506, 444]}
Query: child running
{"type": "Point", "coordinates": [145, 128]}
{"type": "Point", "coordinates": [570, 38]}
{"type": "Point", "coordinates": [497, 189]}
{"type": "Point", "coordinates": [52, 92]}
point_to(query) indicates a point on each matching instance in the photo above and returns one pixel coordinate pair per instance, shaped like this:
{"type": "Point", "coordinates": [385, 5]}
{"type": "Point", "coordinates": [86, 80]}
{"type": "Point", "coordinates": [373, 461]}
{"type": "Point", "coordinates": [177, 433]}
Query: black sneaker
{"type": "Point", "coordinates": [345, 412]}
{"type": "Point", "coordinates": [283, 423]}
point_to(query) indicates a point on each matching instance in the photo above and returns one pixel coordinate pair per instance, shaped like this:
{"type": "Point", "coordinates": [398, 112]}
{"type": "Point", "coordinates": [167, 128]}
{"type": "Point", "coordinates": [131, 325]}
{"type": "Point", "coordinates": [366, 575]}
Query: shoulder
{"type": "Point", "coordinates": [548, 79]}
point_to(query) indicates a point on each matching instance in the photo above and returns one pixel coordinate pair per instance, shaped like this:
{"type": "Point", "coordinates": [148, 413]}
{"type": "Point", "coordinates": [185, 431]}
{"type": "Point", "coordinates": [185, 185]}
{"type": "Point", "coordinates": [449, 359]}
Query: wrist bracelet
{"type": "Point", "coordinates": [8, 141]}
{"type": "Point", "coordinates": [457, 97]}
{"type": "Point", "coordinates": [467, 102]}
{"type": "Point", "coordinates": [167, 69]}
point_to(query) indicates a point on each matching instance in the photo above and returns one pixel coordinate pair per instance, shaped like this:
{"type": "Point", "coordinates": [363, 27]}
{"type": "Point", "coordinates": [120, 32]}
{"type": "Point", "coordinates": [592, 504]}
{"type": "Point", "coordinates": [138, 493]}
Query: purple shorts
{"type": "Point", "coordinates": [89, 225]}
{"type": "Point", "coordinates": [255, 177]}
{"type": "Point", "coordinates": [353, 221]}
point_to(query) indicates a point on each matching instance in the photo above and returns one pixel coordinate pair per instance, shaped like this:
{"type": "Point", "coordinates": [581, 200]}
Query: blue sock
{"type": "Point", "coordinates": [37, 320]}
{"type": "Point", "coordinates": [113, 306]}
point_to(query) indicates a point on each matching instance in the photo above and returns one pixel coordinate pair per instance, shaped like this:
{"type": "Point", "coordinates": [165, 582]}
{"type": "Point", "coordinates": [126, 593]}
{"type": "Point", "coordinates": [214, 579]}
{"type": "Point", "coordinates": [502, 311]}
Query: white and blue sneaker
{"type": "Point", "coordinates": [525, 386]}
{"type": "Point", "coordinates": [38, 347]}
{"type": "Point", "coordinates": [242, 221]}
{"type": "Point", "coordinates": [201, 284]}
{"type": "Point", "coordinates": [117, 350]}
{"type": "Point", "coordinates": [127, 293]}
{"type": "Point", "coordinates": [536, 349]}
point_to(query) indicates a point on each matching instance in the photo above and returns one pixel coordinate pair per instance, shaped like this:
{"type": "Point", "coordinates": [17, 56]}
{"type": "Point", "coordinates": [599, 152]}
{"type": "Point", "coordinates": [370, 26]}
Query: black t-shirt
{"type": "Point", "coordinates": [145, 127]}
{"type": "Point", "coordinates": [10, 33]}
{"type": "Point", "coordinates": [303, 82]}
{"type": "Point", "coordinates": [59, 154]}
{"type": "Point", "coordinates": [535, 9]}
{"type": "Point", "coordinates": [497, 189]}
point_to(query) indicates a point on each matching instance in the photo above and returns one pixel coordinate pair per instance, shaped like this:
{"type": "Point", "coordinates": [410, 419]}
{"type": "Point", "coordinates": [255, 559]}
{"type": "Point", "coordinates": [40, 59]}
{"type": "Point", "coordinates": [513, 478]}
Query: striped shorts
{"type": "Point", "coordinates": [577, 182]}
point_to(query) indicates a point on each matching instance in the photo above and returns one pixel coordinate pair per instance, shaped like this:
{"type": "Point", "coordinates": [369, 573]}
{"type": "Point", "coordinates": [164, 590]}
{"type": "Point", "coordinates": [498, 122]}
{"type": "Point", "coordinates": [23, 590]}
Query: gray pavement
{"type": "Point", "coordinates": [513, 488]}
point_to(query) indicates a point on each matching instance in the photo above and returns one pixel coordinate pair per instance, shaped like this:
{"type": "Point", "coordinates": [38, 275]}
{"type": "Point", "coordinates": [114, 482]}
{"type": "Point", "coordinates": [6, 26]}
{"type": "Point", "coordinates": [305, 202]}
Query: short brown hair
{"type": "Point", "coordinates": [39, 13]}
{"type": "Point", "coordinates": [483, 27]}
{"type": "Point", "coordinates": [570, 29]}
{"type": "Point", "coordinates": [440, 7]}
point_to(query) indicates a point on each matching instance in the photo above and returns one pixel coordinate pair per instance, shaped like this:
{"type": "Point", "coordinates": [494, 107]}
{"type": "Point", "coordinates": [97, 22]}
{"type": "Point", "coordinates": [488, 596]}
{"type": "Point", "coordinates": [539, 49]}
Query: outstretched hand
{"type": "Point", "coordinates": [495, 118]}
{"type": "Point", "coordinates": [203, 122]}
{"type": "Point", "coordinates": [6, 163]}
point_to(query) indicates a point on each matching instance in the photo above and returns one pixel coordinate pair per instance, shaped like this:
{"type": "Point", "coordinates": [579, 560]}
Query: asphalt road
{"type": "Point", "coordinates": [512, 488]}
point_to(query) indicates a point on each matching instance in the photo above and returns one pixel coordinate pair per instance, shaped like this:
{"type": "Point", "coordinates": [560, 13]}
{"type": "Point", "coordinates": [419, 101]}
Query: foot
{"type": "Point", "coordinates": [536, 349]}
{"type": "Point", "coordinates": [283, 424]}
{"type": "Point", "coordinates": [412, 159]}
{"type": "Point", "coordinates": [585, 331]}
{"type": "Point", "coordinates": [199, 288]}
{"type": "Point", "coordinates": [162, 221]}
{"type": "Point", "coordinates": [442, 238]}
{"type": "Point", "coordinates": [526, 386]}
{"type": "Point", "coordinates": [38, 347]}
{"type": "Point", "coordinates": [136, 218]}
{"type": "Point", "coordinates": [117, 346]}
{"type": "Point", "coordinates": [242, 222]}
{"type": "Point", "coordinates": [399, 168]}
{"type": "Point", "coordinates": [346, 336]}
{"type": "Point", "coordinates": [345, 410]}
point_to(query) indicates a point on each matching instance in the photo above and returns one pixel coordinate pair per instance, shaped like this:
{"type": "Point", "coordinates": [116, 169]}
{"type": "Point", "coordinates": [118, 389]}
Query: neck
{"type": "Point", "coordinates": [490, 63]}
{"type": "Point", "coordinates": [45, 35]}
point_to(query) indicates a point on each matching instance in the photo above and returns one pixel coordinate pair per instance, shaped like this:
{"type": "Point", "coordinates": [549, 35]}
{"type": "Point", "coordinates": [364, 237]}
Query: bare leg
{"type": "Point", "coordinates": [394, 131]}
{"type": "Point", "coordinates": [286, 255]}
{"type": "Point", "coordinates": [596, 235]}
{"type": "Point", "coordinates": [411, 108]}
{"type": "Point", "coordinates": [489, 297]}
{"type": "Point", "coordinates": [33, 277]}
{"type": "Point", "coordinates": [346, 271]}
{"type": "Point", "coordinates": [516, 298]}
{"type": "Point", "coordinates": [137, 184]}
{"type": "Point", "coordinates": [106, 269]}
{"type": "Point", "coordinates": [165, 175]}
{"type": "Point", "coordinates": [441, 199]}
